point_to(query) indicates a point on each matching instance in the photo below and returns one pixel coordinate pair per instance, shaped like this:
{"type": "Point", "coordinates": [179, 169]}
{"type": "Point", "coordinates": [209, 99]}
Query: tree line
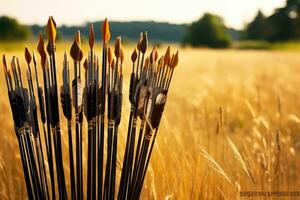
{"type": "Point", "coordinates": [159, 32]}
{"type": "Point", "coordinates": [209, 30]}
{"type": "Point", "coordinates": [282, 25]}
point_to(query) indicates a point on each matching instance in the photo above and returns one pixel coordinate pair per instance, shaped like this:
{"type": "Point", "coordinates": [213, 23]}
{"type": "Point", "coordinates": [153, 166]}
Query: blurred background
{"type": "Point", "coordinates": [217, 24]}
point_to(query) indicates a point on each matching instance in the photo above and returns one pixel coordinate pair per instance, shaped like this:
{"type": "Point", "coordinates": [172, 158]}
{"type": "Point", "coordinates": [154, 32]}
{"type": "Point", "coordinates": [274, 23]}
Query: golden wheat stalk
{"type": "Point", "coordinates": [239, 158]}
{"type": "Point", "coordinates": [214, 164]}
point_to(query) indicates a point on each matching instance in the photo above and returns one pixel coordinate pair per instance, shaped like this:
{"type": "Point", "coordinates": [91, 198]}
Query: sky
{"type": "Point", "coordinates": [236, 13]}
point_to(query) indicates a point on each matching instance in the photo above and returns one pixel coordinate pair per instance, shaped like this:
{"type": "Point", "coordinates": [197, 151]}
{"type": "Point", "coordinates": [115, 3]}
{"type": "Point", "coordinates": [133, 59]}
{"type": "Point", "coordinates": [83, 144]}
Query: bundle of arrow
{"type": "Point", "coordinates": [149, 85]}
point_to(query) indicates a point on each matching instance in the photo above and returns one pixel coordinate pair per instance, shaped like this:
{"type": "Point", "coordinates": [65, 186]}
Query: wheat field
{"type": "Point", "coordinates": [231, 125]}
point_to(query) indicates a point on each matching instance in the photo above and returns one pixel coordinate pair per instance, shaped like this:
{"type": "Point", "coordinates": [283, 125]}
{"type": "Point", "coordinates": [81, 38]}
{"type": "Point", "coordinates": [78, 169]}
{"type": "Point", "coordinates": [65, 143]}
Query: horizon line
{"type": "Point", "coordinates": [116, 20]}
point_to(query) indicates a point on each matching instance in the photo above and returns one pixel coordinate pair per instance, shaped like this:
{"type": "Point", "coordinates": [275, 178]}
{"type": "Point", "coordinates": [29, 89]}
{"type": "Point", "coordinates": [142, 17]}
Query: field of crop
{"type": "Point", "coordinates": [231, 124]}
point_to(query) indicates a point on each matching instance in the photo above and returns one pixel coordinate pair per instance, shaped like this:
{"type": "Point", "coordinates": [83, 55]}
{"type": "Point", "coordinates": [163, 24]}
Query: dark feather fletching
{"type": "Point", "coordinates": [74, 95]}
{"type": "Point", "coordinates": [137, 95]}
{"type": "Point", "coordinates": [158, 108]}
{"type": "Point", "coordinates": [156, 115]}
{"type": "Point", "coordinates": [65, 93]}
{"type": "Point", "coordinates": [91, 104]}
{"type": "Point", "coordinates": [78, 95]}
{"type": "Point", "coordinates": [131, 87]}
{"type": "Point", "coordinates": [141, 101]}
{"type": "Point", "coordinates": [42, 104]}
{"type": "Point", "coordinates": [20, 109]}
{"type": "Point", "coordinates": [119, 99]}
{"type": "Point", "coordinates": [84, 102]}
{"type": "Point", "coordinates": [26, 103]}
{"type": "Point", "coordinates": [17, 107]}
{"type": "Point", "coordinates": [54, 106]}
{"type": "Point", "coordinates": [65, 97]}
{"type": "Point", "coordinates": [33, 119]}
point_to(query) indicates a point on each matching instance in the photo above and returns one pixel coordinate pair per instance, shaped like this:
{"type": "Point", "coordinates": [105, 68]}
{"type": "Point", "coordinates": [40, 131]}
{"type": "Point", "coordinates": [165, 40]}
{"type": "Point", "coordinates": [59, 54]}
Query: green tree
{"type": "Point", "coordinates": [259, 28]}
{"type": "Point", "coordinates": [286, 22]}
{"type": "Point", "coordinates": [282, 25]}
{"type": "Point", "coordinates": [208, 31]}
{"type": "Point", "coordinates": [10, 29]}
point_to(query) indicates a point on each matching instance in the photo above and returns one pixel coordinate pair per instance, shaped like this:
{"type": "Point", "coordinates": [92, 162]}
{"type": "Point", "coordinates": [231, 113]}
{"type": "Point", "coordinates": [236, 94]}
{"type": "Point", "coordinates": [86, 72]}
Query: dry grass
{"type": "Point", "coordinates": [258, 92]}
